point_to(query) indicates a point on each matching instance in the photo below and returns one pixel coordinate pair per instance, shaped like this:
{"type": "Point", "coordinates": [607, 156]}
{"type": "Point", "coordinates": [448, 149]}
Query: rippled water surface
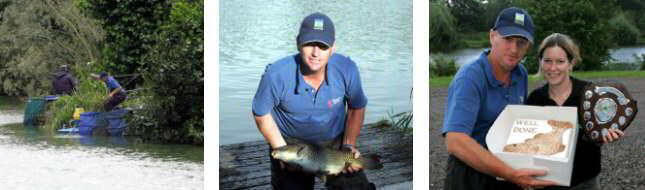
{"type": "Point", "coordinates": [377, 35]}
{"type": "Point", "coordinates": [36, 159]}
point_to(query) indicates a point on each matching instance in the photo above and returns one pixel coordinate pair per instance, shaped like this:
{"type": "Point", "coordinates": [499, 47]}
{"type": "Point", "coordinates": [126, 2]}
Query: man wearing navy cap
{"type": "Point", "coordinates": [315, 97]}
{"type": "Point", "coordinates": [477, 95]}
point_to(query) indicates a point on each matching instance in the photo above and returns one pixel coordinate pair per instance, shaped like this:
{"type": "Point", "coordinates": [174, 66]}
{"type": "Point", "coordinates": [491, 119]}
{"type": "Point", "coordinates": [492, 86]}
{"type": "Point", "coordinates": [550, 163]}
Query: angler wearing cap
{"type": "Point", "coordinates": [116, 92]}
{"type": "Point", "coordinates": [477, 95]}
{"type": "Point", "coordinates": [314, 97]}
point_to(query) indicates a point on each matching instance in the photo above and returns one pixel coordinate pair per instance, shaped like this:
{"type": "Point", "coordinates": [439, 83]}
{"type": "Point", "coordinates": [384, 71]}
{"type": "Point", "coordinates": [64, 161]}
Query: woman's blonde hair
{"type": "Point", "coordinates": [560, 40]}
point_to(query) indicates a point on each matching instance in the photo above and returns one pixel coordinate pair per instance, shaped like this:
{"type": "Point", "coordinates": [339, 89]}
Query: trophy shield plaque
{"type": "Point", "coordinates": [603, 106]}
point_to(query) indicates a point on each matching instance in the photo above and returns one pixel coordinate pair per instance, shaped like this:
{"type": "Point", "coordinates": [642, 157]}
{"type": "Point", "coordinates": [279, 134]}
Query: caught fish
{"type": "Point", "coordinates": [324, 161]}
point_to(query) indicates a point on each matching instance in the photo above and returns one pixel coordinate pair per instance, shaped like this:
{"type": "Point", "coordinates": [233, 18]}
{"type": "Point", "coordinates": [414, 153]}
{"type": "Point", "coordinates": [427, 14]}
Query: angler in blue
{"type": "Point", "coordinates": [312, 114]}
{"type": "Point", "coordinates": [315, 97]}
{"type": "Point", "coordinates": [477, 95]}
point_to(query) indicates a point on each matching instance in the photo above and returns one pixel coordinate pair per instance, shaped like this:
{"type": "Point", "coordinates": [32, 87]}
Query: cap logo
{"type": "Point", "coordinates": [318, 24]}
{"type": "Point", "coordinates": [519, 18]}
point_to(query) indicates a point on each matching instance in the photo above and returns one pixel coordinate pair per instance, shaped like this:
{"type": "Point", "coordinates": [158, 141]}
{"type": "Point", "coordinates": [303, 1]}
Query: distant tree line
{"type": "Point", "coordinates": [596, 25]}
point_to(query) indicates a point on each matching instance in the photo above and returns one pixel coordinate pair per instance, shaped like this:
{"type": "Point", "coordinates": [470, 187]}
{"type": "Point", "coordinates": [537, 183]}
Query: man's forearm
{"type": "Point", "coordinates": [270, 130]}
{"type": "Point", "coordinates": [115, 91]}
{"type": "Point", "coordinates": [353, 125]}
{"type": "Point", "coordinates": [472, 153]}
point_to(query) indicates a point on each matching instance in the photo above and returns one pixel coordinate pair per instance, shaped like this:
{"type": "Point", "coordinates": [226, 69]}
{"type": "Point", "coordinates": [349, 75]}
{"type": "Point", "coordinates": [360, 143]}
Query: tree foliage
{"type": "Point", "coordinates": [163, 41]}
{"type": "Point", "coordinates": [587, 24]}
{"type": "Point", "coordinates": [131, 28]}
{"type": "Point", "coordinates": [443, 31]}
{"type": "Point", "coordinates": [635, 9]}
{"type": "Point", "coordinates": [624, 30]}
{"type": "Point", "coordinates": [38, 36]}
{"type": "Point", "coordinates": [468, 14]}
{"type": "Point", "coordinates": [175, 75]}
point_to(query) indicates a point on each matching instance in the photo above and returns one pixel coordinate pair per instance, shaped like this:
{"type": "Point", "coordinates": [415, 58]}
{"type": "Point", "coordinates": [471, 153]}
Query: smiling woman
{"type": "Point", "coordinates": [557, 56]}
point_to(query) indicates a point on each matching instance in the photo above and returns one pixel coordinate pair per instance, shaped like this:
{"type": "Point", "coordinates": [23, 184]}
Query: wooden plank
{"type": "Point", "coordinates": [246, 165]}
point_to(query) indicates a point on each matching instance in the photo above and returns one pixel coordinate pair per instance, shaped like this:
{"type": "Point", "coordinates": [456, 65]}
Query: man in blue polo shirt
{"type": "Point", "coordinates": [477, 95]}
{"type": "Point", "coordinates": [116, 93]}
{"type": "Point", "coordinates": [315, 97]}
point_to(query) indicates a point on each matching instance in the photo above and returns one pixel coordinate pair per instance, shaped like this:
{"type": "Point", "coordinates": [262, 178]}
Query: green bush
{"type": "Point", "coordinates": [89, 95]}
{"type": "Point", "coordinates": [640, 60]}
{"type": "Point", "coordinates": [175, 76]}
{"type": "Point", "coordinates": [624, 30]}
{"type": "Point", "coordinates": [621, 66]}
{"type": "Point", "coordinates": [441, 65]}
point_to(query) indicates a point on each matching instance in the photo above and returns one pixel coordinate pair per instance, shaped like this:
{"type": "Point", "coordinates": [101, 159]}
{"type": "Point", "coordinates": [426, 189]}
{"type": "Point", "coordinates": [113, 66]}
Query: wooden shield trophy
{"type": "Point", "coordinates": [603, 106]}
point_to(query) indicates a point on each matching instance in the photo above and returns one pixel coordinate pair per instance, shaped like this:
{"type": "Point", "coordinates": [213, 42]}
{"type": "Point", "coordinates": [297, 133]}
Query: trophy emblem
{"type": "Point", "coordinates": [604, 106]}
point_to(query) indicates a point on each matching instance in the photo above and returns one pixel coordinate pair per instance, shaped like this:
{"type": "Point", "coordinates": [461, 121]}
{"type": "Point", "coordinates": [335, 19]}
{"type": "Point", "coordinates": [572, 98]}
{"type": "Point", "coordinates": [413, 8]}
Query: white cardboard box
{"type": "Point", "coordinates": [558, 169]}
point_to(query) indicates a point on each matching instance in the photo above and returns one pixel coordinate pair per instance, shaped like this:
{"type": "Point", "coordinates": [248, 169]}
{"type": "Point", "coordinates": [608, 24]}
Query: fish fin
{"type": "Point", "coordinates": [300, 150]}
{"type": "Point", "coordinates": [347, 165]}
{"type": "Point", "coordinates": [371, 162]}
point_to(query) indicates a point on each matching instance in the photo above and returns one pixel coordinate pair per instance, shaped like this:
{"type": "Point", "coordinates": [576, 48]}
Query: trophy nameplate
{"type": "Point", "coordinates": [604, 106]}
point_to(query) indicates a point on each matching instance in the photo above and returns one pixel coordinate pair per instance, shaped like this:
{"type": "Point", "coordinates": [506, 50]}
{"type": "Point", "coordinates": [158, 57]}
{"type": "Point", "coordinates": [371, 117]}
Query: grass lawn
{"type": "Point", "coordinates": [445, 81]}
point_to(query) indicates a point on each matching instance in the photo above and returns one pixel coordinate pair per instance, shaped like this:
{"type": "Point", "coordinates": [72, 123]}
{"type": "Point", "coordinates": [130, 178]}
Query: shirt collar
{"type": "Point", "coordinates": [301, 85]}
{"type": "Point", "coordinates": [516, 73]}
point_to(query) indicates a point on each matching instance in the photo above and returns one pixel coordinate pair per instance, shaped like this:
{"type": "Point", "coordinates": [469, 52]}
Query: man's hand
{"type": "Point", "coordinates": [614, 134]}
{"type": "Point", "coordinates": [356, 154]}
{"type": "Point", "coordinates": [525, 178]}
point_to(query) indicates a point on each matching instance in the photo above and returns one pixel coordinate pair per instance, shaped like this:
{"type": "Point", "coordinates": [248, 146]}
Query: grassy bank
{"type": "Point", "coordinates": [439, 82]}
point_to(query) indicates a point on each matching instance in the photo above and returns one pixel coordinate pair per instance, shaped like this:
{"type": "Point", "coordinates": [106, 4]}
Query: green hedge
{"type": "Point", "coordinates": [440, 65]}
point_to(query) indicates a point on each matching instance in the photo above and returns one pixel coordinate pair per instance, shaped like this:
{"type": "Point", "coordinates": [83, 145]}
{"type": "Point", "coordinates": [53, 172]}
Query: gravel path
{"type": "Point", "coordinates": [623, 162]}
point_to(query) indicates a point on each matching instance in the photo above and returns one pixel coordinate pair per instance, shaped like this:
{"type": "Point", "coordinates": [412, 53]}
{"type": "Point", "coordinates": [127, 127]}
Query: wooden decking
{"type": "Point", "coordinates": [246, 165]}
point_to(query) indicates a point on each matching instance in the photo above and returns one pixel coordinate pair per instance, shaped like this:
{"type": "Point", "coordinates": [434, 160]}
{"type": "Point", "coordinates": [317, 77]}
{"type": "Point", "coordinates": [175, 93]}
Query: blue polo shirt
{"type": "Point", "coordinates": [476, 98]}
{"type": "Point", "coordinates": [298, 109]}
{"type": "Point", "coordinates": [113, 84]}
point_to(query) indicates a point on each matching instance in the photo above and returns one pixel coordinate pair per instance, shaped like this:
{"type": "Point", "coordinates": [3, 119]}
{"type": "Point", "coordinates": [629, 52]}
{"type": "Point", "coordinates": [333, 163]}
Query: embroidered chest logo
{"type": "Point", "coordinates": [331, 102]}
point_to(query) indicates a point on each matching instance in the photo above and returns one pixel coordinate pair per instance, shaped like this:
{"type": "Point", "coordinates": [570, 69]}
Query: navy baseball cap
{"type": "Point", "coordinates": [514, 21]}
{"type": "Point", "coordinates": [316, 27]}
{"type": "Point", "coordinates": [103, 74]}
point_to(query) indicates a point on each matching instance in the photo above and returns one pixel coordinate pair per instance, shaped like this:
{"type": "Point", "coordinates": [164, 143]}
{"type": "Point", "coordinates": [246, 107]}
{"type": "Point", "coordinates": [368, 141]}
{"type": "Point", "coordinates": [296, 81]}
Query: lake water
{"type": "Point", "coordinates": [622, 54]}
{"type": "Point", "coordinates": [377, 35]}
{"type": "Point", "coordinates": [40, 159]}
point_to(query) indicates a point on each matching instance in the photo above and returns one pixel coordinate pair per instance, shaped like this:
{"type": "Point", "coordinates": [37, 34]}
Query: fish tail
{"type": "Point", "coordinates": [371, 162]}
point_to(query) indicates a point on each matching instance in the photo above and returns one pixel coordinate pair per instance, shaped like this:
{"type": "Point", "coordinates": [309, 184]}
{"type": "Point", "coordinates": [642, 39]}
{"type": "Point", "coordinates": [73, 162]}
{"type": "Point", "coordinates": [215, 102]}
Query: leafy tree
{"type": "Point", "coordinates": [469, 15]}
{"type": "Point", "coordinates": [634, 7]}
{"type": "Point", "coordinates": [131, 28]}
{"type": "Point", "coordinates": [587, 24]}
{"type": "Point", "coordinates": [175, 77]}
{"type": "Point", "coordinates": [624, 30]}
{"type": "Point", "coordinates": [38, 36]}
{"type": "Point", "coordinates": [443, 32]}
